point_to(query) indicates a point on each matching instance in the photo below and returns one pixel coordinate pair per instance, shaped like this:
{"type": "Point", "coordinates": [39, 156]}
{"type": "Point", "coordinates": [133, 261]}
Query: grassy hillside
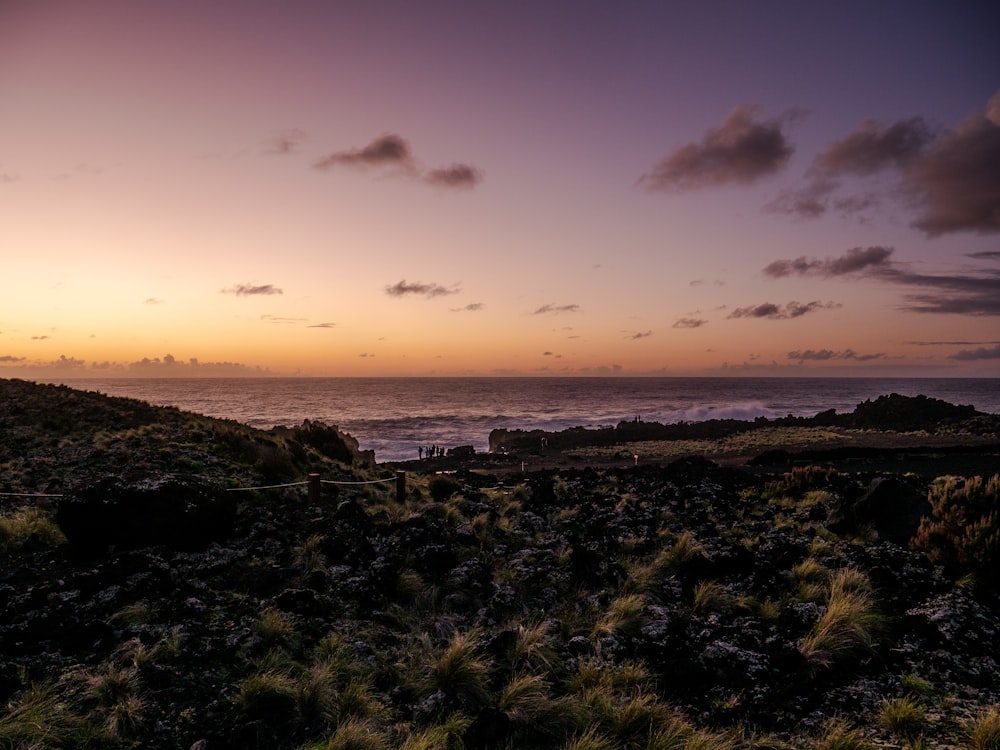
{"type": "Point", "coordinates": [692, 605]}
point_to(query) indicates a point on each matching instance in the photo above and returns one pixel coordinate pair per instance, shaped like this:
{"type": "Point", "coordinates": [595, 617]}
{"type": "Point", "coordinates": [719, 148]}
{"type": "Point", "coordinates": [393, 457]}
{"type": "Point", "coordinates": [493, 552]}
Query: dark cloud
{"type": "Point", "coordinates": [471, 307]}
{"type": "Point", "coordinates": [772, 311]}
{"type": "Point", "coordinates": [855, 260]}
{"type": "Point", "coordinates": [964, 294]}
{"type": "Point", "coordinates": [871, 148]}
{"type": "Point", "coordinates": [284, 142]}
{"type": "Point", "coordinates": [322, 325]}
{"type": "Point", "coordinates": [986, 255]}
{"type": "Point", "coordinates": [544, 309]}
{"type": "Point", "coordinates": [11, 358]}
{"type": "Point", "coordinates": [460, 176]}
{"type": "Point", "coordinates": [689, 323]}
{"type": "Point", "coordinates": [251, 290]}
{"type": "Point", "coordinates": [365, 355]}
{"type": "Point", "coordinates": [403, 288]}
{"type": "Point", "coordinates": [972, 355]}
{"type": "Point", "coordinates": [824, 355]}
{"type": "Point", "coordinates": [39, 338]}
{"type": "Point", "coordinates": [957, 181]}
{"type": "Point", "coordinates": [640, 335]}
{"type": "Point", "coordinates": [742, 150]}
{"type": "Point", "coordinates": [388, 150]}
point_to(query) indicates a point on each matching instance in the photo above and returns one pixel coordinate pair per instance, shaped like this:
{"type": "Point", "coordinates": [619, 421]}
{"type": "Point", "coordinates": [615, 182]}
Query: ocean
{"type": "Point", "coordinates": [396, 417]}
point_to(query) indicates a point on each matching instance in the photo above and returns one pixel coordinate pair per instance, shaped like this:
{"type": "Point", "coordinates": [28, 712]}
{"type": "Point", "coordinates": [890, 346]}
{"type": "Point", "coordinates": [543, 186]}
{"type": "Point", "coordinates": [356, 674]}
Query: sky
{"type": "Point", "coordinates": [439, 188]}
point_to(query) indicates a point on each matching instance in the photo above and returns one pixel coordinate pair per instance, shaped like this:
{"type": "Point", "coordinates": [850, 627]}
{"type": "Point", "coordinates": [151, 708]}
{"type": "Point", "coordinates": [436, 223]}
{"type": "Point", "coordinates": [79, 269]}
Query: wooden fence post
{"type": "Point", "coordinates": [314, 488]}
{"type": "Point", "coordinates": [400, 486]}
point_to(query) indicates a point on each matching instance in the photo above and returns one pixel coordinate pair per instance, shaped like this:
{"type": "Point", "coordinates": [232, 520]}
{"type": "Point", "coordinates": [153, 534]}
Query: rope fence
{"type": "Point", "coordinates": [313, 483]}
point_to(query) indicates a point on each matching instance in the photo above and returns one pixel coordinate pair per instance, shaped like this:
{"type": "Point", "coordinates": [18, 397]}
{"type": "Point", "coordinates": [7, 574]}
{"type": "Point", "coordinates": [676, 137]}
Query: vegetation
{"type": "Point", "coordinates": [678, 607]}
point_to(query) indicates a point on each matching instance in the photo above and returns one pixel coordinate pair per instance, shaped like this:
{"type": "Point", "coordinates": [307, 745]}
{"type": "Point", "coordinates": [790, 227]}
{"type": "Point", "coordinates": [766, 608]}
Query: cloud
{"type": "Point", "coordinates": [972, 355]}
{"type": "Point", "coordinates": [388, 150]}
{"type": "Point", "coordinates": [772, 311]}
{"type": "Point", "coordinates": [279, 319]}
{"type": "Point", "coordinates": [825, 355]}
{"type": "Point", "coordinates": [460, 176]}
{"type": "Point", "coordinates": [322, 325]}
{"type": "Point", "coordinates": [284, 142]}
{"type": "Point", "coordinates": [556, 309]}
{"type": "Point", "coordinates": [871, 148]}
{"type": "Point", "coordinates": [251, 290]}
{"type": "Point", "coordinates": [8, 178]}
{"type": "Point", "coordinates": [471, 307]}
{"type": "Point", "coordinates": [43, 337]}
{"type": "Point", "coordinates": [965, 294]}
{"type": "Point", "coordinates": [742, 150]}
{"type": "Point", "coordinates": [403, 288]}
{"type": "Point", "coordinates": [689, 323]}
{"type": "Point", "coordinates": [152, 301]}
{"type": "Point", "coordinates": [11, 358]}
{"type": "Point", "coordinates": [640, 335]}
{"type": "Point", "coordinates": [855, 260]}
{"type": "Point", "coordinates": [365, 355]}
{"type": "Point", "coordinates": [986, 255]}
{"type": "Point", "coordinates": [957, 181]}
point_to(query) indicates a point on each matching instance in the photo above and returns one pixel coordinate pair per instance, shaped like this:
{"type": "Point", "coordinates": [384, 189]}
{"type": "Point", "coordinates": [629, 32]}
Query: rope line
{"type": "Point", "coordinates": [371, 481]}
{"type": "Point", "coordinates": [228, 489]}
{"type": "Point", "coordinates": [27, 494]}
{"type": "Point", "coordinates": [265, 487]}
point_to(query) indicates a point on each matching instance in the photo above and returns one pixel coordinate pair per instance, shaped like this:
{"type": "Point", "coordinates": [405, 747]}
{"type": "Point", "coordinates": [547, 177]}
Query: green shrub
{"type": "Point", "coordinates": [904, 717]}
{"type": "Point", "coordinates": [27, 523]}
{"type": "Point", "coordinates": [963, 531]}
{"type": "Point", "coordinates": [442, 488]}
{"type": "Point", "coordinates": [849, 623]}
{"type": "Point", "coordinates": [457, 671]}
{"type": "Point", "coordinates": [838, 734]}
{"type": "Point", "coordinates": [268, 696]}
{"type": "Point", "coordinates": [983, 730]}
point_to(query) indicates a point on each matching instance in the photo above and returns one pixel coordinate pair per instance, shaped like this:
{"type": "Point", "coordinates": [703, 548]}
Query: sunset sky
{"type": "Point", "coordinates": [457, 188]}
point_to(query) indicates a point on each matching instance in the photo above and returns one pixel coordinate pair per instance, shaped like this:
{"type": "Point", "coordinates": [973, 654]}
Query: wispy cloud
{"type": "Point", "coordinates": [284, 142]}
{"type": "Point", "coordinates": [966, 294]}
{"type": "Point", "coordinates": [462, 176]}
{"type": "Point", "coordinates": [252, 290]}
{"type": "Point", "coordinates": [742, 150]}
{"type": "Point", "coordinates": [824, 355]}
{"type": "Point", "coordinates": [152, 301]}
{"type": "Point", "coordinates": [556, 309]}
{"type": "Point", "coordinates": [872, 147]}
{"type": "Point", "coordinates": [638, 335]}
{"type": "Point", "coordinates": [972, 355]}
{"type": "Point", "coordinates": [689, 323]}
{"type": "Point", "coordinates": [322, 325]}
{"type": "Point", "coordinates": [772, 311]}
{"type": "Point", "coordinates": [388, 150]}
{"type": "Point", "coordinates": [404, 288]}
{"type": "Point", "coordinates": [392, 151]}
{"type": "Point", "coordinates": [855, 260]}
{"type": "Point", "coordinates": [280, 319]}
{"type": "Point", "coordinates": [471, 307]}
{"type": "Point", "coordinates": [11, 358]}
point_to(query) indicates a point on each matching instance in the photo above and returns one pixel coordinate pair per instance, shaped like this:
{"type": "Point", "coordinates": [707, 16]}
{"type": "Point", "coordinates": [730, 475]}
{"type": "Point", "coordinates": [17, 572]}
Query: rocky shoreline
{"type": "Point", "coordinates": [533, 599]}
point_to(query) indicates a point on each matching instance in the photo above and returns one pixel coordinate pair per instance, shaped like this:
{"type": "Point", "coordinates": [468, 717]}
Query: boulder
{"type": "Point", "coordinates": [177, 512]}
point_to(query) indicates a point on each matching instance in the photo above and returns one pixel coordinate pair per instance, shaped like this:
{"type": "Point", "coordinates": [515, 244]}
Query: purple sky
{"type": "Point", "coordinates": [398, 188]}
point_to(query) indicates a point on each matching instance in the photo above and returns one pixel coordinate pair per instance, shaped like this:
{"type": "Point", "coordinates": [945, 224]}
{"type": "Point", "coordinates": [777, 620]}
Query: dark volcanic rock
{"type": "Point", "coordinates": [179, 512]}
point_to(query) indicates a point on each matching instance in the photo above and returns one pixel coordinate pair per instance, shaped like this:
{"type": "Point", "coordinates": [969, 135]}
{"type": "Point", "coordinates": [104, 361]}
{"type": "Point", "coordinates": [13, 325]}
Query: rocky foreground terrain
{"type": "Point", "coordinates": [150, 598]}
